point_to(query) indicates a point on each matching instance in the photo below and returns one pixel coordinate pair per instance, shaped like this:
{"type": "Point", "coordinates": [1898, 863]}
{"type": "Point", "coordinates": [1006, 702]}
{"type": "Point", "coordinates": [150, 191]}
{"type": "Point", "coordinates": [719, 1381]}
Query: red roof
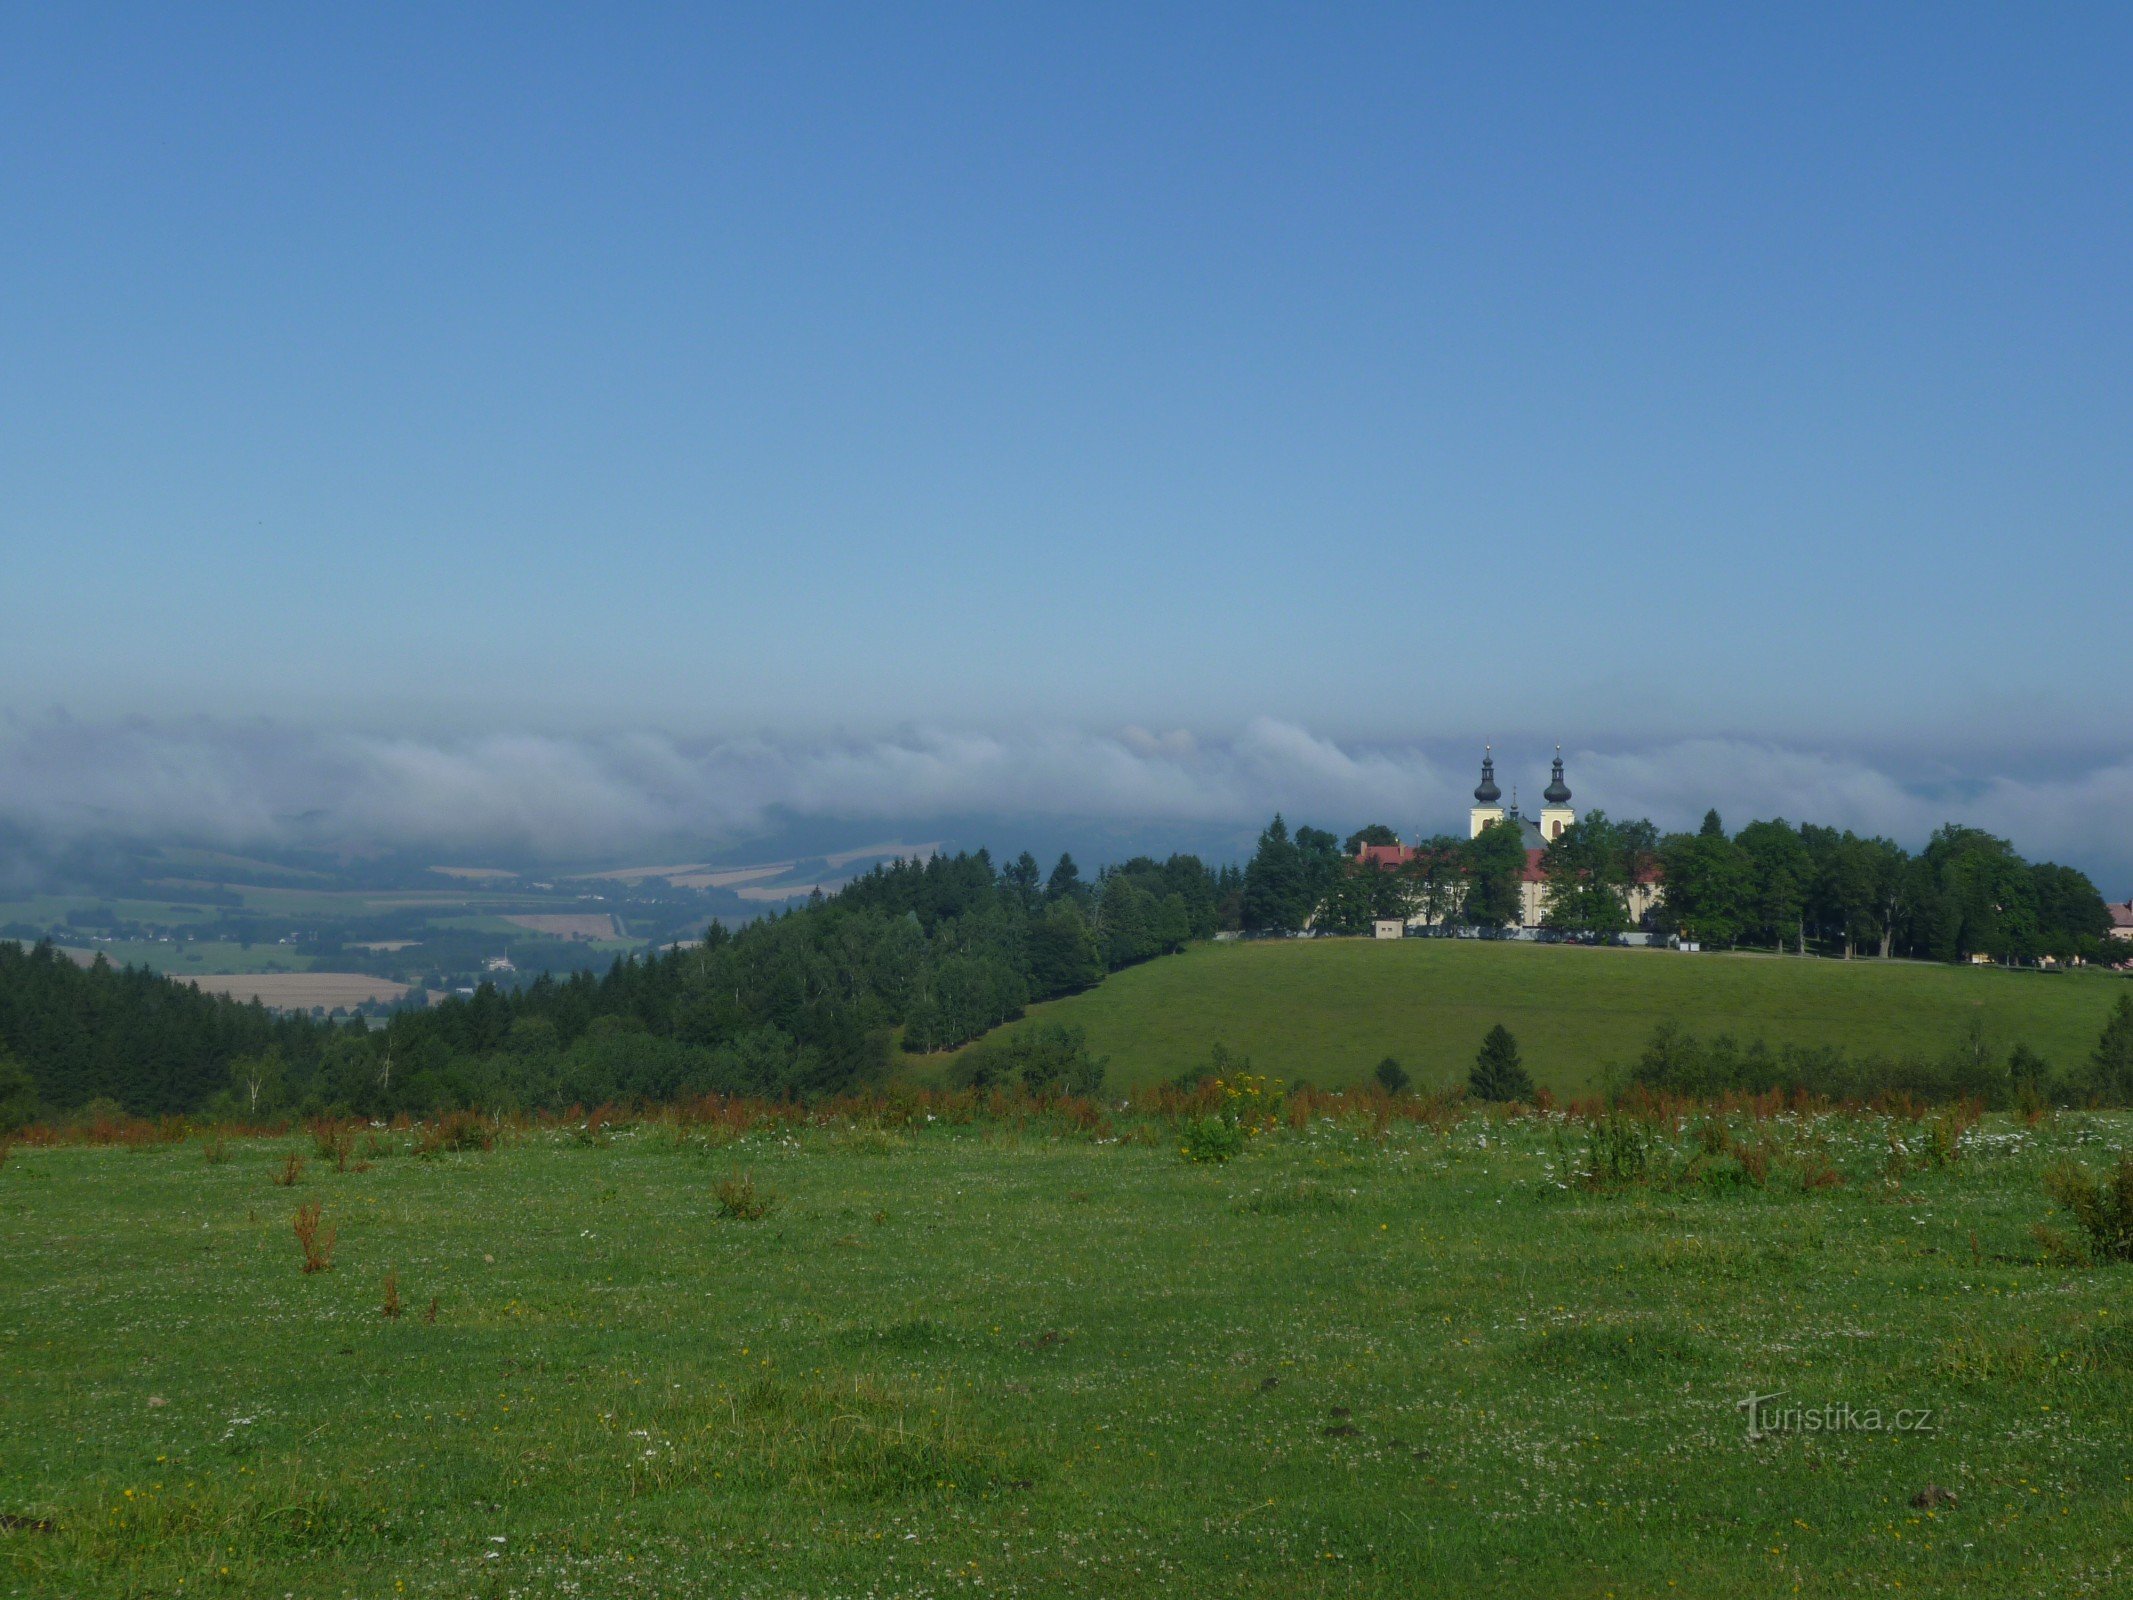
{"type": "Point", "coordinates": [1384, 855]}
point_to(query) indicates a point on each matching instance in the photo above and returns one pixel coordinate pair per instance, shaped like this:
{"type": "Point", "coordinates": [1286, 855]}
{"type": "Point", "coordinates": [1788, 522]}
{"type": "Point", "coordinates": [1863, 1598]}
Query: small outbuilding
{"type": "Point", "coordinates": [1388, 928]}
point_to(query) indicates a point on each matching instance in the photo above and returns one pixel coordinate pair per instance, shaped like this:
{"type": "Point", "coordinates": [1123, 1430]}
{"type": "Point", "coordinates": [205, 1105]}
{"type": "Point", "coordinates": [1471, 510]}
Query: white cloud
{"type": "Point", "coordinates": [239, 783]}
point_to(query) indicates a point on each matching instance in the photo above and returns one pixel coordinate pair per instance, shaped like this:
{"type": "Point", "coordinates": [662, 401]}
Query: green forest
{"type": "Point", "coordinates": [803, 1003]}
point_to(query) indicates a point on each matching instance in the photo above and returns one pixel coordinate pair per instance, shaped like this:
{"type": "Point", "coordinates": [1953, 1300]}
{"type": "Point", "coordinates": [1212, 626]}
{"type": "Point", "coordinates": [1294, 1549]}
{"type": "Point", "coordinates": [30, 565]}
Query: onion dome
{"type": "Point", "coordinates": [1558, 792]}
{"type": "Point", "coordinates": [1486, 793]}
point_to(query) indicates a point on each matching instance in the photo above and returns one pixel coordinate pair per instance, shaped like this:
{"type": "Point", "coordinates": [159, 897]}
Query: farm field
{"type": "Point", "coordinates": [1328, 1010]}
{"type": "Point", "coordinates": [1007, 1358]}
{"type": "Point", "coordinates": [298, 990]}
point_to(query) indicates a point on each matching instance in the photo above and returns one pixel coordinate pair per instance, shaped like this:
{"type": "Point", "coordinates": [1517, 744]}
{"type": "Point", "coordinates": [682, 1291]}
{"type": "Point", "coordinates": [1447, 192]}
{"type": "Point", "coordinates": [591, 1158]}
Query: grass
{"type": "Point", "coordinates": [1328, 1010]}
{"type": "Point", "coordinates": [986, 1359]}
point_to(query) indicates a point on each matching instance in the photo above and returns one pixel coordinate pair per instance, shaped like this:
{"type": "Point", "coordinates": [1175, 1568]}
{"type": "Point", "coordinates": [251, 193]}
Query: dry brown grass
{"type": "Point", "coordinates": [316, 1240]}
{"type": "Point", "coordinates": [292, 1169]}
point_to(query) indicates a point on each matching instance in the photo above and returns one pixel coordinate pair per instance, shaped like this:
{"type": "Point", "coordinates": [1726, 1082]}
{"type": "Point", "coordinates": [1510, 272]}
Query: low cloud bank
{"type": "Point", "coordinates": [561, 796]}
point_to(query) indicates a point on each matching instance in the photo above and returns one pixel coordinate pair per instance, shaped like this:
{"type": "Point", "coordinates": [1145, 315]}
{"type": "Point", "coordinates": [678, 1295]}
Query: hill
{"type": "Point", "coordinates": [1328, 1010]}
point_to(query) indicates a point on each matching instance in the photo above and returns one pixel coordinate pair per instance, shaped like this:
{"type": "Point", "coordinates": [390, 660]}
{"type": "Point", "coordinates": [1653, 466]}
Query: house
{"type": "Point", "coordinates": [2121, 920]}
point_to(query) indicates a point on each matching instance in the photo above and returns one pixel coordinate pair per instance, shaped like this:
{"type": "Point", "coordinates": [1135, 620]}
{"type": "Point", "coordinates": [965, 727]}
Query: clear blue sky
{"type": "Point", "coordinates": [1617, 372]}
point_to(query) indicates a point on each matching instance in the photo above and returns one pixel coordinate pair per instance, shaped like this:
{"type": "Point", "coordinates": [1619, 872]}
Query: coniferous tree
{"type": "Point", "coordinates": [1276, 896]}
{"type": "Point", "coordinates": [2111, 1067]}
{"type": "Point", "coordinates": [1498, 1074]}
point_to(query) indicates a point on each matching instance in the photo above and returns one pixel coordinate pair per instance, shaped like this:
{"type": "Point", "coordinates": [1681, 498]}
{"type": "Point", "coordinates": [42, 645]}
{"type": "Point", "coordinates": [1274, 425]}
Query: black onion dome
{"type": "Point", "coordinates": [1558, 792]}
{"type": "Point", "coordinates": [1486, 791]}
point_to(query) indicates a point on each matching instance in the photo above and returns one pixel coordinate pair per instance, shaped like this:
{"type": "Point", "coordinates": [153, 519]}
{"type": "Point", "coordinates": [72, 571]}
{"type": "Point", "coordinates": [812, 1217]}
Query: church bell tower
{"type": "Point", "coordinates": [1488, 799]}
{"type": "Point", "coordinates": [1556, 816]}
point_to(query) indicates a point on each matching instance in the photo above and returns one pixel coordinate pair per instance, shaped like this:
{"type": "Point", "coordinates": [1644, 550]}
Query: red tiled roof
{"type": "Point", "coordinates": [1384, 855]}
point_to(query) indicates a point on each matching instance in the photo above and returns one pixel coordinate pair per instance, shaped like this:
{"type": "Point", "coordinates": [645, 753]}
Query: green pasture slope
{"type": "Point", "coordinates": [1328, 1010]}
{"type": "Point", "coordinates": [997, 1360]}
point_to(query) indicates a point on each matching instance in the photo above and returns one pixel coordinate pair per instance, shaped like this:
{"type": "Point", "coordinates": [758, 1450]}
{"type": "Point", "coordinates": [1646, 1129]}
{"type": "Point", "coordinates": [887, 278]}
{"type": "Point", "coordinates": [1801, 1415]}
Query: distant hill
{"type": "Point", "coordinates": [1330, 1009]}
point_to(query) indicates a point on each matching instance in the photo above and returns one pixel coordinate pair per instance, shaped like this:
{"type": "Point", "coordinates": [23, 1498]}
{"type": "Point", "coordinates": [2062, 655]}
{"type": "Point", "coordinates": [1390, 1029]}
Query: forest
{"type": "Point", "coordinates": [803, 1003]}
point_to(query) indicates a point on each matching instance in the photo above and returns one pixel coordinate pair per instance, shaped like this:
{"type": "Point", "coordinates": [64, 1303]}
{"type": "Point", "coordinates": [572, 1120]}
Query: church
{"type": "Point", "coordinates": [1556, 816]}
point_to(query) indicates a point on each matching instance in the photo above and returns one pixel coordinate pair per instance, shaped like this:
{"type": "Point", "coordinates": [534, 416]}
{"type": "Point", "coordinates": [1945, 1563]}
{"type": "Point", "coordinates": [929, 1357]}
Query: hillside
{"type": "Point", "coordinates": [1328, 1010]}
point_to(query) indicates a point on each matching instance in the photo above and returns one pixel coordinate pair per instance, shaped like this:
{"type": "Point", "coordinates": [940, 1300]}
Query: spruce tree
{"type": "Point", "coordinates": [2113, 1060]}
{"type": "Point", "coordinates": [1498, 1074]}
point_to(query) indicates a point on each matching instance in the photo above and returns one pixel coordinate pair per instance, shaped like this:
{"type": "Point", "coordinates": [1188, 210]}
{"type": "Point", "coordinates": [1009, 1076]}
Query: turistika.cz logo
{"type": "Point", "coordinates": [1766, 1416]}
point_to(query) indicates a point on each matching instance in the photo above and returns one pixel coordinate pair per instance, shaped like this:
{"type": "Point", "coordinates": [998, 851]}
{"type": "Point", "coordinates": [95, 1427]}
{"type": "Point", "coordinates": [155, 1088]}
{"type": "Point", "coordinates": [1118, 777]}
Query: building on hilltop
{"type": "Point", "coordinates": [2121, 919]}
{"type": "Point", "coordinates": [1556, 818]}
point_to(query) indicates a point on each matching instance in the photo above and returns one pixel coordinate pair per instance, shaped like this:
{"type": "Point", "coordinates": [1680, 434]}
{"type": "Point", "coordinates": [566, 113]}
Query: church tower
{"type": "Point", "coordinates": [1556, 815]}
{"type": "Point", "coordinates": [1488, 806]}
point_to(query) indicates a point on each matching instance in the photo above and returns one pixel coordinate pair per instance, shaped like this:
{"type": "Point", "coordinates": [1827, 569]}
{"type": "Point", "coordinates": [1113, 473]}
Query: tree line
{"type": "Point", "coordinates": [1968, 893]}
{"type": "Point", "coordinates": [802, 1003]}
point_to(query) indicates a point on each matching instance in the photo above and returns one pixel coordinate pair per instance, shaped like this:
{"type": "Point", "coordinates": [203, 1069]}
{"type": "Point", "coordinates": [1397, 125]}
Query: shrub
{"type": "Point", "coordinates": [456, 1130]}
{"type": "Point", "coordinates": [292, 1168]}
{"type": "Point", "coordinates": [1211, 1141]}
{"type": "Point", "coordinates": [390, 1310]}
{"type": "Point", "coordinates": [315, 1241]}
{"type": "Point", "coordinates": [739, 1200]}
{"type": "Point", "coordinates": [1392, 1077]}
{"type": "Point", "coordinates": [1046, 1058]}
{"type": "Point", "coordinates": [214, 1149]}
{"type": "Point", "coordinates": [2101, 1207]}
{"type": "Point", "coordinates": [1498, 1073]}
{"type": "Point", "coordinates": [1618, 1152]}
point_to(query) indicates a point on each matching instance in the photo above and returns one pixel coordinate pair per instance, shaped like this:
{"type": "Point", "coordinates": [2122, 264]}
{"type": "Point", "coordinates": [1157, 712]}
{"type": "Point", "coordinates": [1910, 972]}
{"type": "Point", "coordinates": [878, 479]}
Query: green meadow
{"type": "Point", "coordinates": [1328, 1010]}
{"type": "Point", "coordinates": [1014, 1356]}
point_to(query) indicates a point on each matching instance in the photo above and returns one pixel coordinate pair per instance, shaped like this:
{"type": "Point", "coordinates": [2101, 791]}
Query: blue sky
{"type": "Point", "coordinates": [1626, 375]}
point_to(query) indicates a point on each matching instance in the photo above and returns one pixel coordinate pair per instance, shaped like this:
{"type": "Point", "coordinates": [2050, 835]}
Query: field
{"type": "Point", "coordinates": [300, 990]}
{"type": "Point", "coordinates": [1328, 1010]}
{"type": "Point", "coordinates": [1007, 1357]}
{"type": "Point", "coordinates": [567, 924]}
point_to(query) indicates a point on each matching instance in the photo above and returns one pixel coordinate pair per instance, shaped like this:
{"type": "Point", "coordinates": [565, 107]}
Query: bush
{"type": "Point", "coordinates": [2101, 1207]}
{"type": "Point", "coordinates": [1045, 1058]}
{"type": "Point", "coordinates": [1392, 1077]}
{"type": "Point", "coordinates": [1498, 1073]}
{"type": "Point", "coordinates": [1211, 1141]}
{"type": "Point", "coordinates": [739, 1200]}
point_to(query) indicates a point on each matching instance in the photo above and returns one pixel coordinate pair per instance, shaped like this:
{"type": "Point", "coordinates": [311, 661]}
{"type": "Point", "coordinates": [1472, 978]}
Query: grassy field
{"type": "Point", "coordinates": [1328, 1010]}
{"type": "Point", "coordinates": [989, 1359]}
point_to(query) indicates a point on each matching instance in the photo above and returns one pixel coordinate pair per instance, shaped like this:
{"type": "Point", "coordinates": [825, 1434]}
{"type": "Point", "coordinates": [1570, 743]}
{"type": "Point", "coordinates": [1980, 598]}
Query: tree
{"type": "Point", "coordinates": [1023, 881]}
{"type": "Point", "coordinates": [1065, 881]}
{"type": "Point", "coordinates": [1707, 884]}
{"type": "Point", "coordinates": [1779, 873]}
{"type": "Point", "coordinates": [1063, 953]}
{"type": "Point", "coordinates": [1433, 884]}
{"type": "Point", "coordinates": [1392, 1077]}
{"type": "Point", "coordinates": [1586, 870]}
{"type": "Point", "coordinates": [2111, 1067]}
{"type": "Point", "coordinates": [18, 1095]}
{"type": "Point", "coordinates": [1276, 898]}
{"type": "Point", "coordinates": [258, 1081]}
{"type": "Point", "coordinates": [1353, 899]}
{"type": "Point", "coordinates": [1495, 864]}
{"type": "Point", "coordinates": [1369, 833]}
{"type": "Point", "coordinates": [1498, 1074]}
{"type": "Point", "coordinates": [1319, 854]}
